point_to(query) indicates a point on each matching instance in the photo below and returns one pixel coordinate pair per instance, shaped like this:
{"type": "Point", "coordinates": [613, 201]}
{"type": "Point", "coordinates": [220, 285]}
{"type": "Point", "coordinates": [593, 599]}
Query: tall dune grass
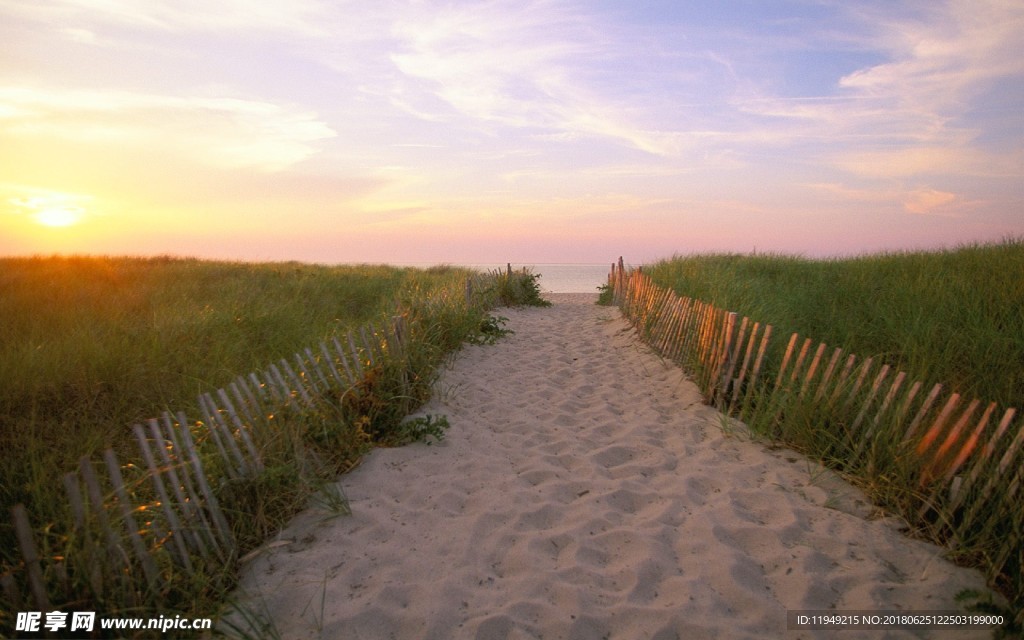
{"type": "Point", "coordinates": [89, 346]}
{"type": "Point", "coordinates": [952, 316]}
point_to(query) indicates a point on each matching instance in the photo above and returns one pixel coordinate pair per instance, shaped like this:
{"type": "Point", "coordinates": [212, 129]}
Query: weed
{"type": "Point", "coordinates": [332, 500]}
{"type": "Point", "coordinates": [977, 602]}
{"type": "Point", "coordinates": [248, 621]}
{"type": "Point", "coordinates": [492, 329]}
{"type": "Point", "coordinates": [517, 288]}
{"type": "Point", "coordinates": [725, 423]}
{"type": "Point", "coordinates": [422, 429]}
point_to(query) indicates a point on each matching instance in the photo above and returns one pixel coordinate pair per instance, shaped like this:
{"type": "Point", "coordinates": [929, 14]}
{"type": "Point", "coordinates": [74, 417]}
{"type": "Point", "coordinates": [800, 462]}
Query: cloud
{"type": "Point", "coordinates": [959, 160]}
{"type": "Point", "coordinates": [927, 201]}
{"type": "Point", "coordinates": [293, 16]}
{"type": "Point", "coordinates": [519, 65]}
{"type": "Point", "coordinates": [939, 61]}
{"type": "Point", "coordinates": [226, 132]}
{"type": "Point", "coordinates": [921, 110]}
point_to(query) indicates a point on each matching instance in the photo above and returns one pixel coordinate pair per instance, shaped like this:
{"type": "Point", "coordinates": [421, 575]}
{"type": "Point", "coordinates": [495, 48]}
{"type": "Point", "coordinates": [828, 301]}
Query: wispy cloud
{"type": "Point", "coordinates": [929, 201]}
{"type": "Point", "coordinates": [918, 200]}
{"type": "Point", "coordinates": [230, 132]}
{"type": "Point", "coordinates": [518, 65]}
{"type": "Point", "coordinates": [906, 116]}
{"type": "Point", "coordinates": [296, 16]}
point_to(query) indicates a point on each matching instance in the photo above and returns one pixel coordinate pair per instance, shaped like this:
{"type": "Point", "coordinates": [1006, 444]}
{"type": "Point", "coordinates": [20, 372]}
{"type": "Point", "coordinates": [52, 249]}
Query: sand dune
{"type": "Point", "coordinates": [583, 491]}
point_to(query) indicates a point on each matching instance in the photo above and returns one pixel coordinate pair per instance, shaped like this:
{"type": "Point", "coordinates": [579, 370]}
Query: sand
{"type": "Point", "coordinates": [584, 491]}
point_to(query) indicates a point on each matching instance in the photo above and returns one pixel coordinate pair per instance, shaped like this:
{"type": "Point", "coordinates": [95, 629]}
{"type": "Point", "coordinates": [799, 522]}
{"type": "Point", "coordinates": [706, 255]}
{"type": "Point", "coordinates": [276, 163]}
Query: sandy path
{"type": "Point", "coordinates": [583, 491]}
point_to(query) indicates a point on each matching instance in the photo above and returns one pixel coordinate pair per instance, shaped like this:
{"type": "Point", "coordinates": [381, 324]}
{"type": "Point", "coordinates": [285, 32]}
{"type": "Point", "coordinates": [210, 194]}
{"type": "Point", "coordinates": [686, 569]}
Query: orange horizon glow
{"type": "Point", "coordinates": [433, 131]}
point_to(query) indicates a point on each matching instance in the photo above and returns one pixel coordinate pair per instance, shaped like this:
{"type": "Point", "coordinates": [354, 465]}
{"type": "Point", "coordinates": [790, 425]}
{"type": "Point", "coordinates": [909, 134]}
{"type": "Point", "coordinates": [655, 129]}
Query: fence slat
{"type": "Point", "coordinates": [883, 373]}
{"type": "Point", "coordinates": [254, 460]}
{"type": "Point", "coordinates": [287, 370]}
{"type": "Point", "coordinates": [812, 369]}
{"type": "Point", "coordinates": [328, 360]}
{"type": "Point", "coordinates": [11, 592]}
{"type": "Point", "coordinates": [231, 456]}
{"type": "Point", "coordinates": [969, 446]}
{"type": "Point", "coordinates": [369, 351]}
{"type": "Point", "coordinates": [279, 389]}
{"type": "Point", "coordinates": [954, 433]}
{"type": "Point", "coordinates": [220, 522]}
{"type": "Point", "coordinates": [741, 375]}
{"type": "Point", "coordinates": [990, 446]}
{"type": "Point", "coordinates": [726, 359]}
{"type": "Point", "coordinates": [178, 487]}
{"type": "Point", "coordinates": [826, 377]}
{"type": "Point", "coordinates": [304, 371]}
{"type": "Point", "coordinates": [932, 433]}
{"type": "Point", "coordinates": [247, 402]}
{"type": "Point", "coordinates": [95, 495]}
{"type": "Point", "coordinates": [259, 386]}
{"type": "Point", "coordinates": [800, 360]}
{"type": "Point", "coordinates": [183, 482]}
{"type": "Point", "coordinates": [922, 412]}
{"type": "Point", "coordinates": [761, 350]}
{"type": "Point", "coordinates": [890, 395]}
{"type": "Point", "coordinates": [865, 368]}
{"type": "Point", "coordinates": [357, 359]}
{"type": "Point", "coordinates": [138, 546]}
{"type": "Point", "coordinates": [343, 358]}
{"type": "Point", "coordinates": [785, 359]}
{"type": "Point", "coordinates": [318, 365]}
{"type": "Point", "coordinates": [177, 532]}
{"type": "Point", "coordinates": [27, 545]}
{"type": "Point", "coordinates": [734, 356]}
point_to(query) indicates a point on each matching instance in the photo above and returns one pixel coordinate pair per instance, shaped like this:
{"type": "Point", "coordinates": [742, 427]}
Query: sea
{"type": "Point", "coordinates": [560, 278]}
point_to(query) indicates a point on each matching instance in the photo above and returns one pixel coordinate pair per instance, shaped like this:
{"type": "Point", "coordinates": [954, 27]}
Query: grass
{"type": "Point", "coordinates": [949, 316]}
{"type": "Point", "coordinates": [91, 345]}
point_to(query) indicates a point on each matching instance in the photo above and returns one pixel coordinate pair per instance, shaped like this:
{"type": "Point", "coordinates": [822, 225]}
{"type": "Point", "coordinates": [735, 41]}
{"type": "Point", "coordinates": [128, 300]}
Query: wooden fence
{"type": "Point", "coordinates": [960, 463]}
{"type": "Point", "coordinates": [135, 527]}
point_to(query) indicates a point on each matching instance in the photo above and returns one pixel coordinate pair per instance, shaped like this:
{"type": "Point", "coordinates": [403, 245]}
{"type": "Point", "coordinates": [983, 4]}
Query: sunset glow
{"type": "Point", "coordinates": [543, 131]}
{"type": "Point", "coordinates": [57, 217]}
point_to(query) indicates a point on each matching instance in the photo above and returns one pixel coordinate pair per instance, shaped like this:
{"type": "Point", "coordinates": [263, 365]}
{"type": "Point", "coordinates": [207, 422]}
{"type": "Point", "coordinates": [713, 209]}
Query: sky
{"type": "Point", "coordinates": [530, 131]}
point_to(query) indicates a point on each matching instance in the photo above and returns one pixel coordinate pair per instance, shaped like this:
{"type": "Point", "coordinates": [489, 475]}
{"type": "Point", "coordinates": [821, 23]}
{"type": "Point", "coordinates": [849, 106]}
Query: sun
{"type": "Point", "coordinates": [58, 216]}
{"type": "Point", "coordinates": [55, 209]}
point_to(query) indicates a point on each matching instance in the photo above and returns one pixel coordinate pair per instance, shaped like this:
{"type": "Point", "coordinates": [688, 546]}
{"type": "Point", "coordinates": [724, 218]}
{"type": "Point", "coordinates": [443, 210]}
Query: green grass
{"type": "Point", "coordinates": [90, 346]}
{"type": "Point", "coordinates": [953, 316]}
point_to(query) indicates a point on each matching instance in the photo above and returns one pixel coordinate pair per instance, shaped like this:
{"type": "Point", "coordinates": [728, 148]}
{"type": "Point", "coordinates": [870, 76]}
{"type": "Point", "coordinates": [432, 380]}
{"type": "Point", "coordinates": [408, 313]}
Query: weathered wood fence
{"type": "Point", "coordinates": [135, 526]}
{"type": "Point", "coordinates": [960, 463]}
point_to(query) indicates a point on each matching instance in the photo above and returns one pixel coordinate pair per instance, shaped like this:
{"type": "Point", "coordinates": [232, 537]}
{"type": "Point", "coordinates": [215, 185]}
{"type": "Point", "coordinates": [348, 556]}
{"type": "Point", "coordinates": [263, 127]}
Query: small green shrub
{"type": "Point", "coordinates": [518, 288]}
{"type": "Point", "coordinates": [422, 429]}
{"type": "Point", "coordinates": [492, 329]}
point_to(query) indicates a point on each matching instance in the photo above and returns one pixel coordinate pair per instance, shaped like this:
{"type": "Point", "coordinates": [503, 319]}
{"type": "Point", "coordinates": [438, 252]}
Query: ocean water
{"type": "Point", "coordinates": [572, 278]}
{"type": "Point", "coordinates": [561, 278]}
